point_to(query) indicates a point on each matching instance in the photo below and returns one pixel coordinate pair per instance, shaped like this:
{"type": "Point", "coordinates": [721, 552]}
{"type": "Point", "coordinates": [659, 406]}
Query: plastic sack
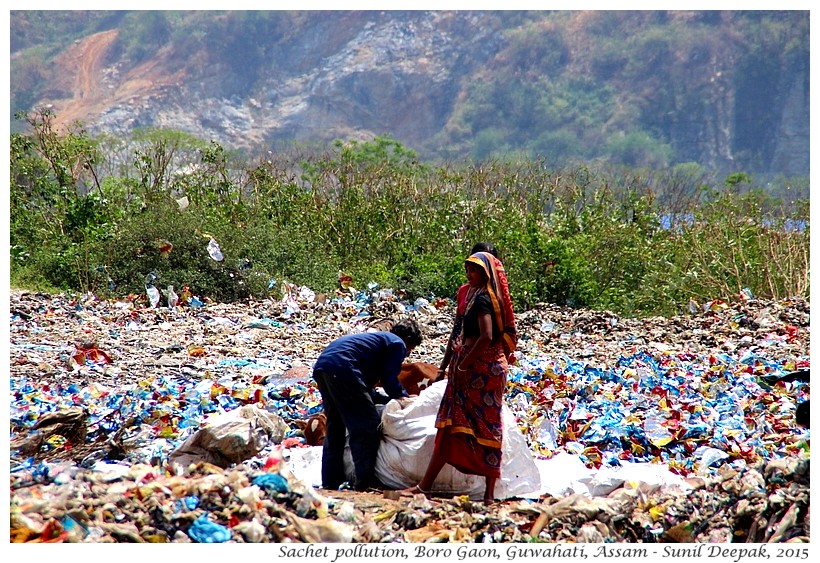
{"type": "Point", "coordinates": [214, 251]}
{"type": "Point", "coordinates": [407, 446]}
{"type": "Point", "coordinates": [231, 437]}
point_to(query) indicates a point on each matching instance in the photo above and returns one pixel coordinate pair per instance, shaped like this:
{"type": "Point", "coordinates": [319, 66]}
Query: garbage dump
{"type": "Point", "coordinates": [132, 421]}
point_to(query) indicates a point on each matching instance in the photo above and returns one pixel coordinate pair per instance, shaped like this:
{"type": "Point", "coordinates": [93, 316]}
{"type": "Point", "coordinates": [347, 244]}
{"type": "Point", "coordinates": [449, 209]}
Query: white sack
{"type": "Point", "coordinates": [407, 446]}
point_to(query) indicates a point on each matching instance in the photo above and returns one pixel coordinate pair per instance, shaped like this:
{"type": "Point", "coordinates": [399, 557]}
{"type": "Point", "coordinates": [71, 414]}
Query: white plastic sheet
{"type": "Point", "coordinates": [409, 434]}
{"type": "Point", "coordinates": [565, 475]}
{"type": "Point", "coordinates": [407, 446]}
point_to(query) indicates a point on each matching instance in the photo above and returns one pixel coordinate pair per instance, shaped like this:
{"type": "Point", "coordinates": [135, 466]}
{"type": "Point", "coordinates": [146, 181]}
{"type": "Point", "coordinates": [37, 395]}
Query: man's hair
{"type": "Point", "coordinates": [484, 247]}
{"type": "Point", "coordinates": [409, 331]}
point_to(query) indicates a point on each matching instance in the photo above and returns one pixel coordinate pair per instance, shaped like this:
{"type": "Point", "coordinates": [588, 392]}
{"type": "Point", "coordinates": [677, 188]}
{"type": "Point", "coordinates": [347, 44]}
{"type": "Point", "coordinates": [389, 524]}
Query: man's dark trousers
{"type": "Point", "coordinates": [348, 405]}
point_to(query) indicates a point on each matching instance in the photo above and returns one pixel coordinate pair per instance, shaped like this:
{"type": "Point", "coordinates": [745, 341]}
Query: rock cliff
{"type": "Point", "coordinates": [410, 75]}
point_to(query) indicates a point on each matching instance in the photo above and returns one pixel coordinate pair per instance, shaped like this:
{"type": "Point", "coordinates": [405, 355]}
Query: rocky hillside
{"type": "Point", "coordinates": [728, 90]}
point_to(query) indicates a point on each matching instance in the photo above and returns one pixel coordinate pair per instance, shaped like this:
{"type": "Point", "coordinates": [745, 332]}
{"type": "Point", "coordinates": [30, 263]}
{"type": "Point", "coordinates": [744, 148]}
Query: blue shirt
{"type": "Point", "coordinates": [370, 357]}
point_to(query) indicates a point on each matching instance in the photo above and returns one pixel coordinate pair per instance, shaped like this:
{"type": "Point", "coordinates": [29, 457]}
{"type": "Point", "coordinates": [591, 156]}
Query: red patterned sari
{"type": "Point", "coordinates": [469, 418]}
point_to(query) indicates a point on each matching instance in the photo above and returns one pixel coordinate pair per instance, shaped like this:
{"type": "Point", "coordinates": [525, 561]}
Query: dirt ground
{"type": "Point", "coordinates": [88, 86]}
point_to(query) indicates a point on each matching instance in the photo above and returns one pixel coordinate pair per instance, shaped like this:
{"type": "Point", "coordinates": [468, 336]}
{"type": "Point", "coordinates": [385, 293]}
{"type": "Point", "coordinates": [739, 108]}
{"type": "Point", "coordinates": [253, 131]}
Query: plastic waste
{"type": "Point", "coordinates": [231, 437]}
{"type": "Point", "coordinates": [215, 251]}
{"type": "Point", "coordinates": [322, 530]}
{"type": "Point", "coordinates": [306, 294]}
{"type": "Point", "coordinates": [272, 481]}
{"type": "Point", "coordinates": [249, 495]}
{"type": "Point", "coordinates": [693, 306]}
{"type": "Point", "coordinates": [173, 298]}
{"type": "Point", "coordinates": [153, 295]}
{"type": "Point", "coordinates": [347, 513]}
{"type": "Point", "coordinates": [547, 434]}
{"type": "Point", "coordinates": [292, 306]}
{"type": "Point", "coordinates": [185, 296]}
{"type": "Point", "coordinates": [700, 394]}
{"type": "Point", "coordinates": [205, 531]}
{"type": "Point", "coordinates": [656, 433]}
{"type": "Point", "coordinates": [253, 531]}
{"type": "Point", "coordinates": [709, 456]}
{"type": "Point", "coordinates": [165, 248]}
{"type": "Point", "coordinates": [312, 500]}
{"type": "Point", "coordinates": [75, 531]}
{"type": "Point", "coordinates": [765, 318]}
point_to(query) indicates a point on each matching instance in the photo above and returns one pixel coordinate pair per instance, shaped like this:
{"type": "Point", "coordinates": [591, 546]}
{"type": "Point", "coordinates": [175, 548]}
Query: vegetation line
{"type": "Point", "coordinates": [83, 217]}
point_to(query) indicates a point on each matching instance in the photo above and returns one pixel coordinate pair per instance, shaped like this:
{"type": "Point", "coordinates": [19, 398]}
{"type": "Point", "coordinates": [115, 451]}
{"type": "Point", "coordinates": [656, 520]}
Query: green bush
{"type": "Point", "coordinates": [577, 236]}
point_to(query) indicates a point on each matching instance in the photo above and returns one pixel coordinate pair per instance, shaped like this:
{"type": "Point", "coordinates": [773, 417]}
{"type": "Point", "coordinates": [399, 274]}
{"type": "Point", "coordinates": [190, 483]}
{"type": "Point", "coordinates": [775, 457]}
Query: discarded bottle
{"type": "Point", "coordinates": [215, 251]}
{"type": "Point", "coordinates": [693, 306]}
{"type": "Point", "coordinates": [173, 298]}
{"type": "Point", "coordinates": [153, 295]}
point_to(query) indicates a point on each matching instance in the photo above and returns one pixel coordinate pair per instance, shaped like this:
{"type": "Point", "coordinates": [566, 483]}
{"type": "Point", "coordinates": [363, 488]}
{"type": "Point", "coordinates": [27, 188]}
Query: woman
{"type": "Point", "coordinates": [461, 303]}
{"type": "Point", "coordinates": [469, 419]}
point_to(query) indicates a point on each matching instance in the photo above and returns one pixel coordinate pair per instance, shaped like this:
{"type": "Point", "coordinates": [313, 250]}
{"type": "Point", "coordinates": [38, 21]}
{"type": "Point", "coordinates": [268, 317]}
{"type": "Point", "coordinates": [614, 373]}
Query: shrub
{"type": "Point", "coordinates": [577, 236]}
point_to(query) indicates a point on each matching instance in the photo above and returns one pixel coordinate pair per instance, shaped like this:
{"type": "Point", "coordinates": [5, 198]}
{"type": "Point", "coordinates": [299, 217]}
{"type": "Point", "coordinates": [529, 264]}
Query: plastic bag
{"type": "Point", "coordinates": [214, 251]}
{"type": "Point", "coordinates": [407, 446]}
{"type": "Point", "coordinates": [231, 437]}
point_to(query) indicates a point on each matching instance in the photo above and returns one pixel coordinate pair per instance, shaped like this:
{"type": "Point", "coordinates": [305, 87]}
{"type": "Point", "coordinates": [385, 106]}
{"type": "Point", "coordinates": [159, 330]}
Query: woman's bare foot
{"type": "Point", "coordinates": [413, 491]}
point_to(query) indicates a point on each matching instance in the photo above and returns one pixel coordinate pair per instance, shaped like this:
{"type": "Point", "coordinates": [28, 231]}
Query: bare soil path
{"type": "Point", "coordinates": [89, 87]}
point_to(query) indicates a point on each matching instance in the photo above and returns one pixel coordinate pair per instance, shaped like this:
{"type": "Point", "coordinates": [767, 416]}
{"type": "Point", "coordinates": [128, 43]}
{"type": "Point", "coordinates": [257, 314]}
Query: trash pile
{"type": "Point", "coordinates": [140, 422]}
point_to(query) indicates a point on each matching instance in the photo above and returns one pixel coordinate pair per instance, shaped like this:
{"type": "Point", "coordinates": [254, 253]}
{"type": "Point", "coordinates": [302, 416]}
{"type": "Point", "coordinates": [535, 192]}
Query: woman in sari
{"type": "Point", "coordinates": [469, 419]}
{"type": "Point", "coordinates": [461, 304]}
